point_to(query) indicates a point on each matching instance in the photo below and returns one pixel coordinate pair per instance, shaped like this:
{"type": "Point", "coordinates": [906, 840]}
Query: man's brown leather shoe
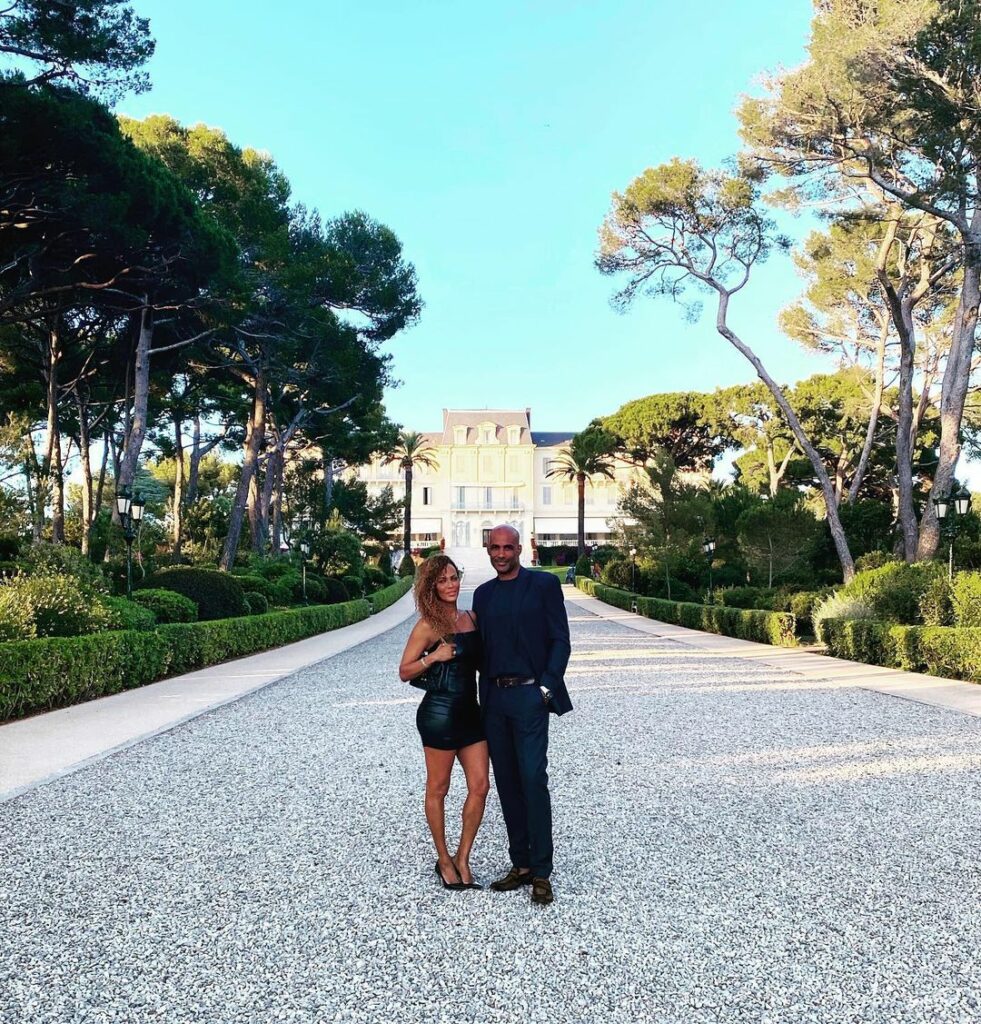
{"type": "Point", "coordinates": [541, 891]}
{"type": "Point", "coordinates": [511, 881]}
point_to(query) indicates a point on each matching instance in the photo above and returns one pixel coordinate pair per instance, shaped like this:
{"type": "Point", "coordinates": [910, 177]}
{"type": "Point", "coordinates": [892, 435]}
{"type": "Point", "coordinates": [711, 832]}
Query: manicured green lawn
{"type": "Point", "coordinates": [555, 570]}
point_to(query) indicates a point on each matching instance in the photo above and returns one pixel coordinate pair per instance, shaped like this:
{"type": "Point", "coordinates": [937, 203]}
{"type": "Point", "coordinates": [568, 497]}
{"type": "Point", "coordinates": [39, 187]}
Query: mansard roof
{"type": "Point", "coordinates": [550, 438]}
{"type": "Point", "coordinates": [474, 418]}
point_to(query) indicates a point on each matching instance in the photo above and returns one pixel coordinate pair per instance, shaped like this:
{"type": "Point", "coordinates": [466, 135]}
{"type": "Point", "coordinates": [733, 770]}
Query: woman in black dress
{"type": "Point", "coordinates": [445, 643]}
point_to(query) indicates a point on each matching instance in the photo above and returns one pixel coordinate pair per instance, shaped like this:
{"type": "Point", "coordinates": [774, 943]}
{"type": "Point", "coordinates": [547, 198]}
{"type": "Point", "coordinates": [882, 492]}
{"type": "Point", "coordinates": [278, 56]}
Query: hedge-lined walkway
{"type": "Point", "coordinates": [38, 748]}
{"type": "Point", "coordinates": [734, 843]}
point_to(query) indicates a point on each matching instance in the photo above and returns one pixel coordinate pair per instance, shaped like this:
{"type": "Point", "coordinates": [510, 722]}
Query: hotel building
{"type": "Point", "coordinates": [493, 468]}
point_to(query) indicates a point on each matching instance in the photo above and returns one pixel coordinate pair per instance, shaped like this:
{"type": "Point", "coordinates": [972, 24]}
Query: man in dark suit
{"type": "Point", "coordinates": [525, 632]}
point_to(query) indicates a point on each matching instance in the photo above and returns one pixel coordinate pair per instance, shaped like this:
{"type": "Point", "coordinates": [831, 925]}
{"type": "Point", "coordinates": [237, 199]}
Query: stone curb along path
{"type": "Point", "coordinates": [815, 668]}
{"type": "Point", "coordinates": [47, 746]}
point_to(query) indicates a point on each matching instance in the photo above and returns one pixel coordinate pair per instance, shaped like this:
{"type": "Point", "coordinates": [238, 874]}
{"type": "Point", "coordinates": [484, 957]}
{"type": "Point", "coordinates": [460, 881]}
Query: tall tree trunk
{"type": "Point", "coordinates": [180, 489]}
{"type": "Point", "coordinates": [581, 524]}
{"type": "Point", "coordinates": [194, 469]}
{"type": "Point", "coordinates": [101, 486]}
{"type": "Point", "coordinates": [250, 460]}
{"type": "Point", "coordinates": [407, 533]}
{"type": "Point", "coordinates": [34, 486]}
{"type": "Point", "coordinates": [880, 372]}
{"type": "Point", "coordinates": [953, 393]}
{"type": "Point", "coordinates": [328, 483]}
{"type": "Point", "coordinates": [256, 535]}
{"type": "Point", "coordinates": [85, 455]}
{"type": "Point", "coordinates": [136, 434]}
{"type": "Point", "coordinates": [52, 440]}
{"type": "Point", "coordinates": [830, 503]}
{"type": "Point", "coordinates": [57, 494]}
{"type": "Point", "coordinates": [276, 515]}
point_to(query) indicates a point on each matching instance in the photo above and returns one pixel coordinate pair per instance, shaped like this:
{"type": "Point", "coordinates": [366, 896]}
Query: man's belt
{"type": "Point", "coordinates": [509, 681]}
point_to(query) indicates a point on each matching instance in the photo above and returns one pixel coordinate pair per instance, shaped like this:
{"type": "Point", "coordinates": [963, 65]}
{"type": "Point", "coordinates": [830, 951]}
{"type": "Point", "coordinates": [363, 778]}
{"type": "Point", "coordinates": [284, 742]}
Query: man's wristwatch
{"type": "Point", "coordinates": [546, 693]}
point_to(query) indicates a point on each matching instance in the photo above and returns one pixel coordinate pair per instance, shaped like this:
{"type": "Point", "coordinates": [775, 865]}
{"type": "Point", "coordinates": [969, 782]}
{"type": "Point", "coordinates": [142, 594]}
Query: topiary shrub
{"type": "Point", "coordinates": [316, 590]}
{"type": "Point", "coordinates": [407, 567]}
{"type": "Point", "coordinates": [126, 614]}
{"type": "Point", "coordinates": [374, 579]}
{"type": "Point", "coordinates": [745, 597]}
{"type": "Point", "coordinates": [336, 591]}
{"type": "Point", "coordinates": [966, 599]}
{"type": "Point", "coordinates": [255, 584]}
{"type": "Point", "coordinates": [584, 567]}
{"type": "Point", "coordinates": [893, 592]}
{"type": "Point", "coordinates": [48, 604]}
{"type": "Point", "coordinates": [874, 560]}
{"type": "Point", "coordinates": [284, 589]}
{"type": "Point", "coordinates": [272, 568]}
{"type": "Point", "coordinates": [258, 605]}
{"type": "Point", "coordinates": [218, 595]}
{"type": "Point", "coordinates": [802, 605]}
{"type": "Point", "coordinates": [167, 605]}
{"type": "Point", "coordinates": [936, 602]}
{"type": "Point", "coordinates": [354, 585]}
{"type": "Point", "coordinates": [617, 573]}
{"type": "Point", "coordinates": [385, 562]}
{"type": "Point", "coordinates": [839, 606]}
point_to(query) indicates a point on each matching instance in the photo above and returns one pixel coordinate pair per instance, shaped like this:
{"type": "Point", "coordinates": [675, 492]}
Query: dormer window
{"type": "Point", "coordinates": [488, 433]}
{"type": "Point", "coordinates": [459, 435]}
{"type": "Point", "coordinates": [514, 435]}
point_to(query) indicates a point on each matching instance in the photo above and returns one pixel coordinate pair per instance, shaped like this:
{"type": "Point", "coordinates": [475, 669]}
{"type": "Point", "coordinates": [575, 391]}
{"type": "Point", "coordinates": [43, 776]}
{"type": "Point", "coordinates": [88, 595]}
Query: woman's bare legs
{"type": "Point", "coordinates": [477, 770]}
{"type": "Point", "coordinates": [439, 765]}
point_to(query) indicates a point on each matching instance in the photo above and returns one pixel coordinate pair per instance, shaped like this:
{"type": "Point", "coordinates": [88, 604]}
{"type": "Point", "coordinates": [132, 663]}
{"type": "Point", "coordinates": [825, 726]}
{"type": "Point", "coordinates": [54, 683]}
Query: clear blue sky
{"type": "Point", "coordinates": [489, 138]}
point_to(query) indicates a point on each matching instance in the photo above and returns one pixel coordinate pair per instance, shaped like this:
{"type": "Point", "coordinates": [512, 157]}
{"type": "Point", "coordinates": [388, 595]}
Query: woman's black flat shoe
{"type": "Point", "coordinates": [456, 886]}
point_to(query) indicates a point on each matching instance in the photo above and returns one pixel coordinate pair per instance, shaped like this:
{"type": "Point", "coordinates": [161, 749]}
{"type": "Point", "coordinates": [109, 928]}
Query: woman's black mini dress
{"type": "Point", "coordinates": [449, 716]}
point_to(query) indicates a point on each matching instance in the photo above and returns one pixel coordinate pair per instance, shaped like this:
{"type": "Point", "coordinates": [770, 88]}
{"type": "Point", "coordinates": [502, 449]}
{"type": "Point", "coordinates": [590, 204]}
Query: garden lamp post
{"type": "Point", "coordinates": [708, 549]}
{"type": "Point", "coordinates": [951, 509]}
{"type": "Point", "coordinates": [130, 508]}
{"type": "Point", "coordinates": [633, 570]}
{"type": "Point", "coordinates": [304, 555]}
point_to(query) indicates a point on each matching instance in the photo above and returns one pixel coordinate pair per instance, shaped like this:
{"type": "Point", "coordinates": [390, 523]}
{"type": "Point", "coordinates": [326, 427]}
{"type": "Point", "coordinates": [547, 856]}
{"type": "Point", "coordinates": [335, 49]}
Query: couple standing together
{"type": "Point", "coordinates": [517, 636]}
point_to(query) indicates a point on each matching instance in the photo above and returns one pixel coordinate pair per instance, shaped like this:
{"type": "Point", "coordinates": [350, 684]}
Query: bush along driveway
{"type": "Point", "coordinates": [39, 675]}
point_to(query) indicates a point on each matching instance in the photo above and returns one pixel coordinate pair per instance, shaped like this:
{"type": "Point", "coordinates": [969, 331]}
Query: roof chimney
{"type": "Point", "coordinates": [528, 414]}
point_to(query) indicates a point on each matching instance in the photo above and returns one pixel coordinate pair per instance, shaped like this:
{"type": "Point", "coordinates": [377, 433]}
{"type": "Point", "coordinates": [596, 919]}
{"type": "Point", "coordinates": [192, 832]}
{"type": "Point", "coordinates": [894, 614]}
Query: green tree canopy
{"type": "Point", "coordinates": [96, 45]}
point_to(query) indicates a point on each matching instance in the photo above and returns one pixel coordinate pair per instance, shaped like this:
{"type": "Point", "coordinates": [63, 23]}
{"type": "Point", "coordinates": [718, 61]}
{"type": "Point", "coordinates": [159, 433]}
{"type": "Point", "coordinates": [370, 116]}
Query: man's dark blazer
{"type": "Point", "coordinates": [542, 630]}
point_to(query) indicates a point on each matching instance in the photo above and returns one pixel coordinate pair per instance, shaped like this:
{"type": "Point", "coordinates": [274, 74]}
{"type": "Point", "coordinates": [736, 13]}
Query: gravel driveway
{"type": "Point", "coordinates": [731, 845]}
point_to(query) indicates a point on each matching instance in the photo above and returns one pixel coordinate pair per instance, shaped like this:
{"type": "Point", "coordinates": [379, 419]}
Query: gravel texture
{"type": "Point", "coordinates": [732, 844]}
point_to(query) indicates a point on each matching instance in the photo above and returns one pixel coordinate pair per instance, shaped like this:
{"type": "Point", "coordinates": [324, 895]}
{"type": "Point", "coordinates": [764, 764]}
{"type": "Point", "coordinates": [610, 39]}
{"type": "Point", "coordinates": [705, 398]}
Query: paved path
{"type": "Point", "coordinates": [733, 844]}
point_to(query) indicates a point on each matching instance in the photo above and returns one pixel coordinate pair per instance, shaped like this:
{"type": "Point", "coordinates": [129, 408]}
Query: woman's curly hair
{"type": "Point", "coordinates": [439, 615]}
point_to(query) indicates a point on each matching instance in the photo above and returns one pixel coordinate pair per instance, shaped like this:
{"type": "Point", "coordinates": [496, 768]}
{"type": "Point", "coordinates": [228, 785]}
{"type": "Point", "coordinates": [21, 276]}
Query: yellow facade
{"type": "Point", "coordinates": [492, 469]}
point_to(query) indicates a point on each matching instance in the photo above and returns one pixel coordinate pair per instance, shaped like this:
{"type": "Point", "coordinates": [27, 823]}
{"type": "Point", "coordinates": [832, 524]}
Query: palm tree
{"type": "Point", "coordinates": [412, 449]}
{"type": "Point", "coordinates": [590, 453]}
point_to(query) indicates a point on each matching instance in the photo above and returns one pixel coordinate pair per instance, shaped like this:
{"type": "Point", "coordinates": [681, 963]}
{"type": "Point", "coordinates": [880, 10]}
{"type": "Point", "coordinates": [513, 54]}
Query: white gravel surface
{"type": "Point", "coordinates": [731, 845]}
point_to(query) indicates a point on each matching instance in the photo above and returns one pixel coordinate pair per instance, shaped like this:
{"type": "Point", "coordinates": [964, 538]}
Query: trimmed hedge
{"type": "Point", "coordinates": [381, 599]}
{"type": "Point", "coordinates": [38, 675]}
{"type": "Point", "coordinates": [129, 614]}
{"type": "Point", "coordinates": [218, 595]}
{"type": "Point", "coordinates": [949, 651]}
{"type": "Point", "coordinates": [257, 603]}
{"type": "Point", "coordinates": [167, 605]}
{"type": "Point", "coordinates": [745, 623]}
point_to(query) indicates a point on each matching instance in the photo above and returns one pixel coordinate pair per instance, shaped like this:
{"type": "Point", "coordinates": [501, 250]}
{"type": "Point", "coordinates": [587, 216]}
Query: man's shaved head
{"type": "Point", "coordinates": [504, 549]}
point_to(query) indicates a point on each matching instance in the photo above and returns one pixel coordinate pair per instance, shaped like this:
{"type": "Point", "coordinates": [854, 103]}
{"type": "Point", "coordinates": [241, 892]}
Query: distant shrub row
{"type": "Point", "coordinates": [746, 623]}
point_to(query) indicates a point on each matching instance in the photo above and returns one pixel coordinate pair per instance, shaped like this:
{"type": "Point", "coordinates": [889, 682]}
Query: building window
{"type": "Point", "coordinates": [546, 495]}
{"type": "Point", "coordinates": [461, 497]}
{"type": "Point", "coordinates": [548, 466]}
{"type": "Point", "coordinates": [488, 497]}
{"type": "Point", "coordinates": [514, 435]}
{"type": "Point", "coordinates": [427, 495]}
{"type": "Point", "coordinates": [459, 435]}
{"type": "Point", "coordinates": [487, 435]}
